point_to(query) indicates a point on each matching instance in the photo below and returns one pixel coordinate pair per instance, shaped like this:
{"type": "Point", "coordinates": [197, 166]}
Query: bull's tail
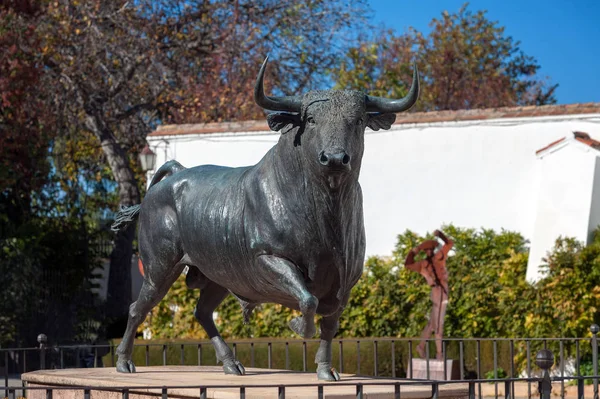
{"type": "Point", "coordinates": [129, 214]}
{"type": "Point", "coordinates": [126, 215]}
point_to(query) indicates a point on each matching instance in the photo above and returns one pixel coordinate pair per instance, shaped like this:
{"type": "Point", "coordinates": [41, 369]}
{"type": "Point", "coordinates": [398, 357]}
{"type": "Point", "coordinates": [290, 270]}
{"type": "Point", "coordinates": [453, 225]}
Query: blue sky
{"type": "Point", "coordinates": [564, 36]}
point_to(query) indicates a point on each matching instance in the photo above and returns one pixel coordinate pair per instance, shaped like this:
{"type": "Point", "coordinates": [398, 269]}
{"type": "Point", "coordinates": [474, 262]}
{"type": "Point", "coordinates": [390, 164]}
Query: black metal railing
{"type": "Point", "coordinates": [466, 388]}
{"type": "Point", "coordinates": [378, 357]}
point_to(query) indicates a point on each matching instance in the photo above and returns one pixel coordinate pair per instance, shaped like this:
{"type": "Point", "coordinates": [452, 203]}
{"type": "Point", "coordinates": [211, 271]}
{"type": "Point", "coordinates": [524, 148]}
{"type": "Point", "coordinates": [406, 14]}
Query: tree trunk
{"type": "Point", "coordinates": [119, 280]}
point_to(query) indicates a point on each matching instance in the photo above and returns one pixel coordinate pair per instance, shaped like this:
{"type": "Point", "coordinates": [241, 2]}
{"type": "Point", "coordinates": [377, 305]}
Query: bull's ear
{"type": "Point", "coordinates": [381, 121]}
{"type": "Point", "coordinates": [283, 122]}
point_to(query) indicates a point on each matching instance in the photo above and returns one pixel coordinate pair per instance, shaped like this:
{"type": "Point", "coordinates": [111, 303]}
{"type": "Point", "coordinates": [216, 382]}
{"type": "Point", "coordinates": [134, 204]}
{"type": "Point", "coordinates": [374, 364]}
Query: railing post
{"type": "Point", "coordinates": [6, 373]}
{"type": "Point", "coordinates": [544, 360]}
{"type": "Point", "coordinates": [269, 355]}
{"type": "Point", "coordinates": [358, 357]}
{"type": "Point", "coordinates": [341, 346]}
{"type": "Point", "coordinates": [42, 339]}
{"type": "Point", "coordinates": [594, 329]}
{"type": "Point", "coordinates": [375, 359]}
{"type": "Point", "coordinates": [304, 355]}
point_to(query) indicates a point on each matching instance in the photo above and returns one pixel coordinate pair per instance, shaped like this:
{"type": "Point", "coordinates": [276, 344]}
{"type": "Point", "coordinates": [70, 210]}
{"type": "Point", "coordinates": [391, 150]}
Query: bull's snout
{"type": "Point", "coordinates": [338, 159]}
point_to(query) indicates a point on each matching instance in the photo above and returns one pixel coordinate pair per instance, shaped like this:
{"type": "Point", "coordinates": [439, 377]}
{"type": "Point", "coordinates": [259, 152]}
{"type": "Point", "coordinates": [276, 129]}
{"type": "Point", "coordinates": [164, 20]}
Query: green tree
{"type": "Point", "coordinates": [466, 61]}
{"type": "Point", "coordinates": [392, 301]}
{"type": "Point", "coordinates": [567, 298]}
{"type": "Point", "coordinates": [47, 206]}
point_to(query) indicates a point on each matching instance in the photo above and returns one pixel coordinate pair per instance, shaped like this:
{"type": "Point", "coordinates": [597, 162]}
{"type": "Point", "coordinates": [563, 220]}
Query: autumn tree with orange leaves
{"type": "Point", "coordinates": [110, 71]}
{"type": "Point", "coordinates": [466, 62]}
{"type": "Point", "coordinates": [24, 116]}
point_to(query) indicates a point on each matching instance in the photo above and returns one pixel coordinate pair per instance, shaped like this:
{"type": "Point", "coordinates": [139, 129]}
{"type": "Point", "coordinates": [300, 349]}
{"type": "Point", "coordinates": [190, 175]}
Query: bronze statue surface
{"type": "Point", "coordinates": [287, 230]}
{"type": "Point", "coordinates": [433, 268]}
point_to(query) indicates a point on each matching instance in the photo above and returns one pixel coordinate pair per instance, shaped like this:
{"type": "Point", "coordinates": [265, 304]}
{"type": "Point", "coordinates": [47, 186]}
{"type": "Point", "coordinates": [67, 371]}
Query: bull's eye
{"type": "Point", "coordinates": [360, 121]}
{"type": "Point", "coordinates": [310, 120]}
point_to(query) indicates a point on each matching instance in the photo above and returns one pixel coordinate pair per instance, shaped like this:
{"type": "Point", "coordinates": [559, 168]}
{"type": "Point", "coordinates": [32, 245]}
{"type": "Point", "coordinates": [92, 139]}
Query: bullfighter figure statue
{"type": "Point", "coordinates": [433, 268]}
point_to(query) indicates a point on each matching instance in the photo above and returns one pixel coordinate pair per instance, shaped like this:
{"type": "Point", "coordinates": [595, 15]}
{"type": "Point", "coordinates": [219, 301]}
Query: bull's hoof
{"type": "Point", "coordinates": [302, 328]}
{"type": "Point", "coordinates": [234, 367]}
{"type": "Point", "coordinates": [327, 373]}
{"type": "Point", "coordinates": [125, 366]}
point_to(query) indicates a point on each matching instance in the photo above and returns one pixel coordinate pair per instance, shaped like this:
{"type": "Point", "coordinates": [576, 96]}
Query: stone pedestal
{"type": "Point", "coordinates": [106, 383]}
{"type": "Point", "coordinates": [436, 369]}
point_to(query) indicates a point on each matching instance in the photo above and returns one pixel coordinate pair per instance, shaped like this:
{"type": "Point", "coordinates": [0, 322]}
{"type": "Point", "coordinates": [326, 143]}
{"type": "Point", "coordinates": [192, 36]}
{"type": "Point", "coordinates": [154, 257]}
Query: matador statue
{"type": "Point", "coordinates": [433, 268]}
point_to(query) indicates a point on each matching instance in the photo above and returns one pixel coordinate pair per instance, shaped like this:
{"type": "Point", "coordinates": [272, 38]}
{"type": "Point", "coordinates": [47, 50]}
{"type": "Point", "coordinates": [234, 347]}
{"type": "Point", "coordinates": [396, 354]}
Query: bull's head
{"type": "Point", "coordinates": [329, 125]}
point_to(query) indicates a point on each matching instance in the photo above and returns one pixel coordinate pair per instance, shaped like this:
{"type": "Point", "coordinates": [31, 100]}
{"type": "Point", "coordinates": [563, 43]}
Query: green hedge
{"type": "Point", "coordinates": [367, 355]}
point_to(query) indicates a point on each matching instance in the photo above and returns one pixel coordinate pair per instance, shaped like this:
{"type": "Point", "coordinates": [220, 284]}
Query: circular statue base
{"type": "Point", "coordinates": [185, 382]}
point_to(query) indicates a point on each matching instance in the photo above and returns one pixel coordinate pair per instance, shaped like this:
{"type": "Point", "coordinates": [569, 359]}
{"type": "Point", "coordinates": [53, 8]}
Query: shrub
{"type": "Point", "coordinates": [500, 373]}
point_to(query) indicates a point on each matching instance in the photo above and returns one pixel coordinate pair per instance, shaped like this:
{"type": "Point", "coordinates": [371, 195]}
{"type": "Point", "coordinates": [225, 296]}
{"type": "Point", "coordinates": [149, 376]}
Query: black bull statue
{"type": "Point", "coordinates": [287, 230]}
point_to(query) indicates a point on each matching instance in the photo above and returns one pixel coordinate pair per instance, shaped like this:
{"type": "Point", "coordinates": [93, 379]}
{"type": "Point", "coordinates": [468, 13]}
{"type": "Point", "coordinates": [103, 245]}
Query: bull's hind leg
{"type": "Point", "coordinates": [161, 253]}
{"type": "Point", "coordinates": [286, 277]}
{"type": "Point", "coordinates": [150, 296]}
{"type": "Point", "coordinates": [211, 296]}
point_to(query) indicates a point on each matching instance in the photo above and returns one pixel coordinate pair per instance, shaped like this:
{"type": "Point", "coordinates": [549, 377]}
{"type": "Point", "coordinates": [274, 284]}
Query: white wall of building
{"type": "Point", "coordinates": [564, 199]}
{"type": "Point", "coordinates": [594, 222]}
{"type": "Point", "coordinates": [482, 173]}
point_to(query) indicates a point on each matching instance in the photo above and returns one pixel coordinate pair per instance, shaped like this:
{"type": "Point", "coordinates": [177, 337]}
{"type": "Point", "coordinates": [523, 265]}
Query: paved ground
{"type": "Point", "coordinates": [180, 377]}
{"type": "Point", "coordinates": [13, 381]}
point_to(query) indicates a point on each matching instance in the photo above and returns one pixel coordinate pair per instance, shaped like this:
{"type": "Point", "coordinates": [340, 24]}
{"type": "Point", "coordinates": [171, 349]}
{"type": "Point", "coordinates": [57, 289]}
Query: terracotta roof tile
{"type": "Point", "coordinates": [551, 145]}
{"type": "Point", "coordinates": [498, 113]}
{"type": "Point", "coordinates": [586, 139]}
{"type": "Point", "coordinates": [582, 137]}
{"type": "Point", "coordinates": [218, 127]}
{"type": "Point", "coordinates": [404, 118]}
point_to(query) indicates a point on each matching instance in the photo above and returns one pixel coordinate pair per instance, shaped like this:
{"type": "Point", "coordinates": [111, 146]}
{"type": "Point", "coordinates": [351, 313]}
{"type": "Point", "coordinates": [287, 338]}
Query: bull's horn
{"type": "Point", "coordinates": [287, 103]}
{"type": "Point", "coordinates": [386, 105]}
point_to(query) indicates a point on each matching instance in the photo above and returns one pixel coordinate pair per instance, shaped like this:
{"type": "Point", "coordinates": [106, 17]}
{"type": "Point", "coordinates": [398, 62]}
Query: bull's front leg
{"type": "Point", "coordinates": [286, 277]}
{"type": "Point", "coordinates": [325, 370]}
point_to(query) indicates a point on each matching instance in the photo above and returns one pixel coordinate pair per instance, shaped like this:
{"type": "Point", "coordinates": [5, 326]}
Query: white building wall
{"type": "Point", "coordinates": [595, 206]}
{"type": "Point", "coordinates": [481, 173]}
{"type": "Point", "coordinates": [564, 199]}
